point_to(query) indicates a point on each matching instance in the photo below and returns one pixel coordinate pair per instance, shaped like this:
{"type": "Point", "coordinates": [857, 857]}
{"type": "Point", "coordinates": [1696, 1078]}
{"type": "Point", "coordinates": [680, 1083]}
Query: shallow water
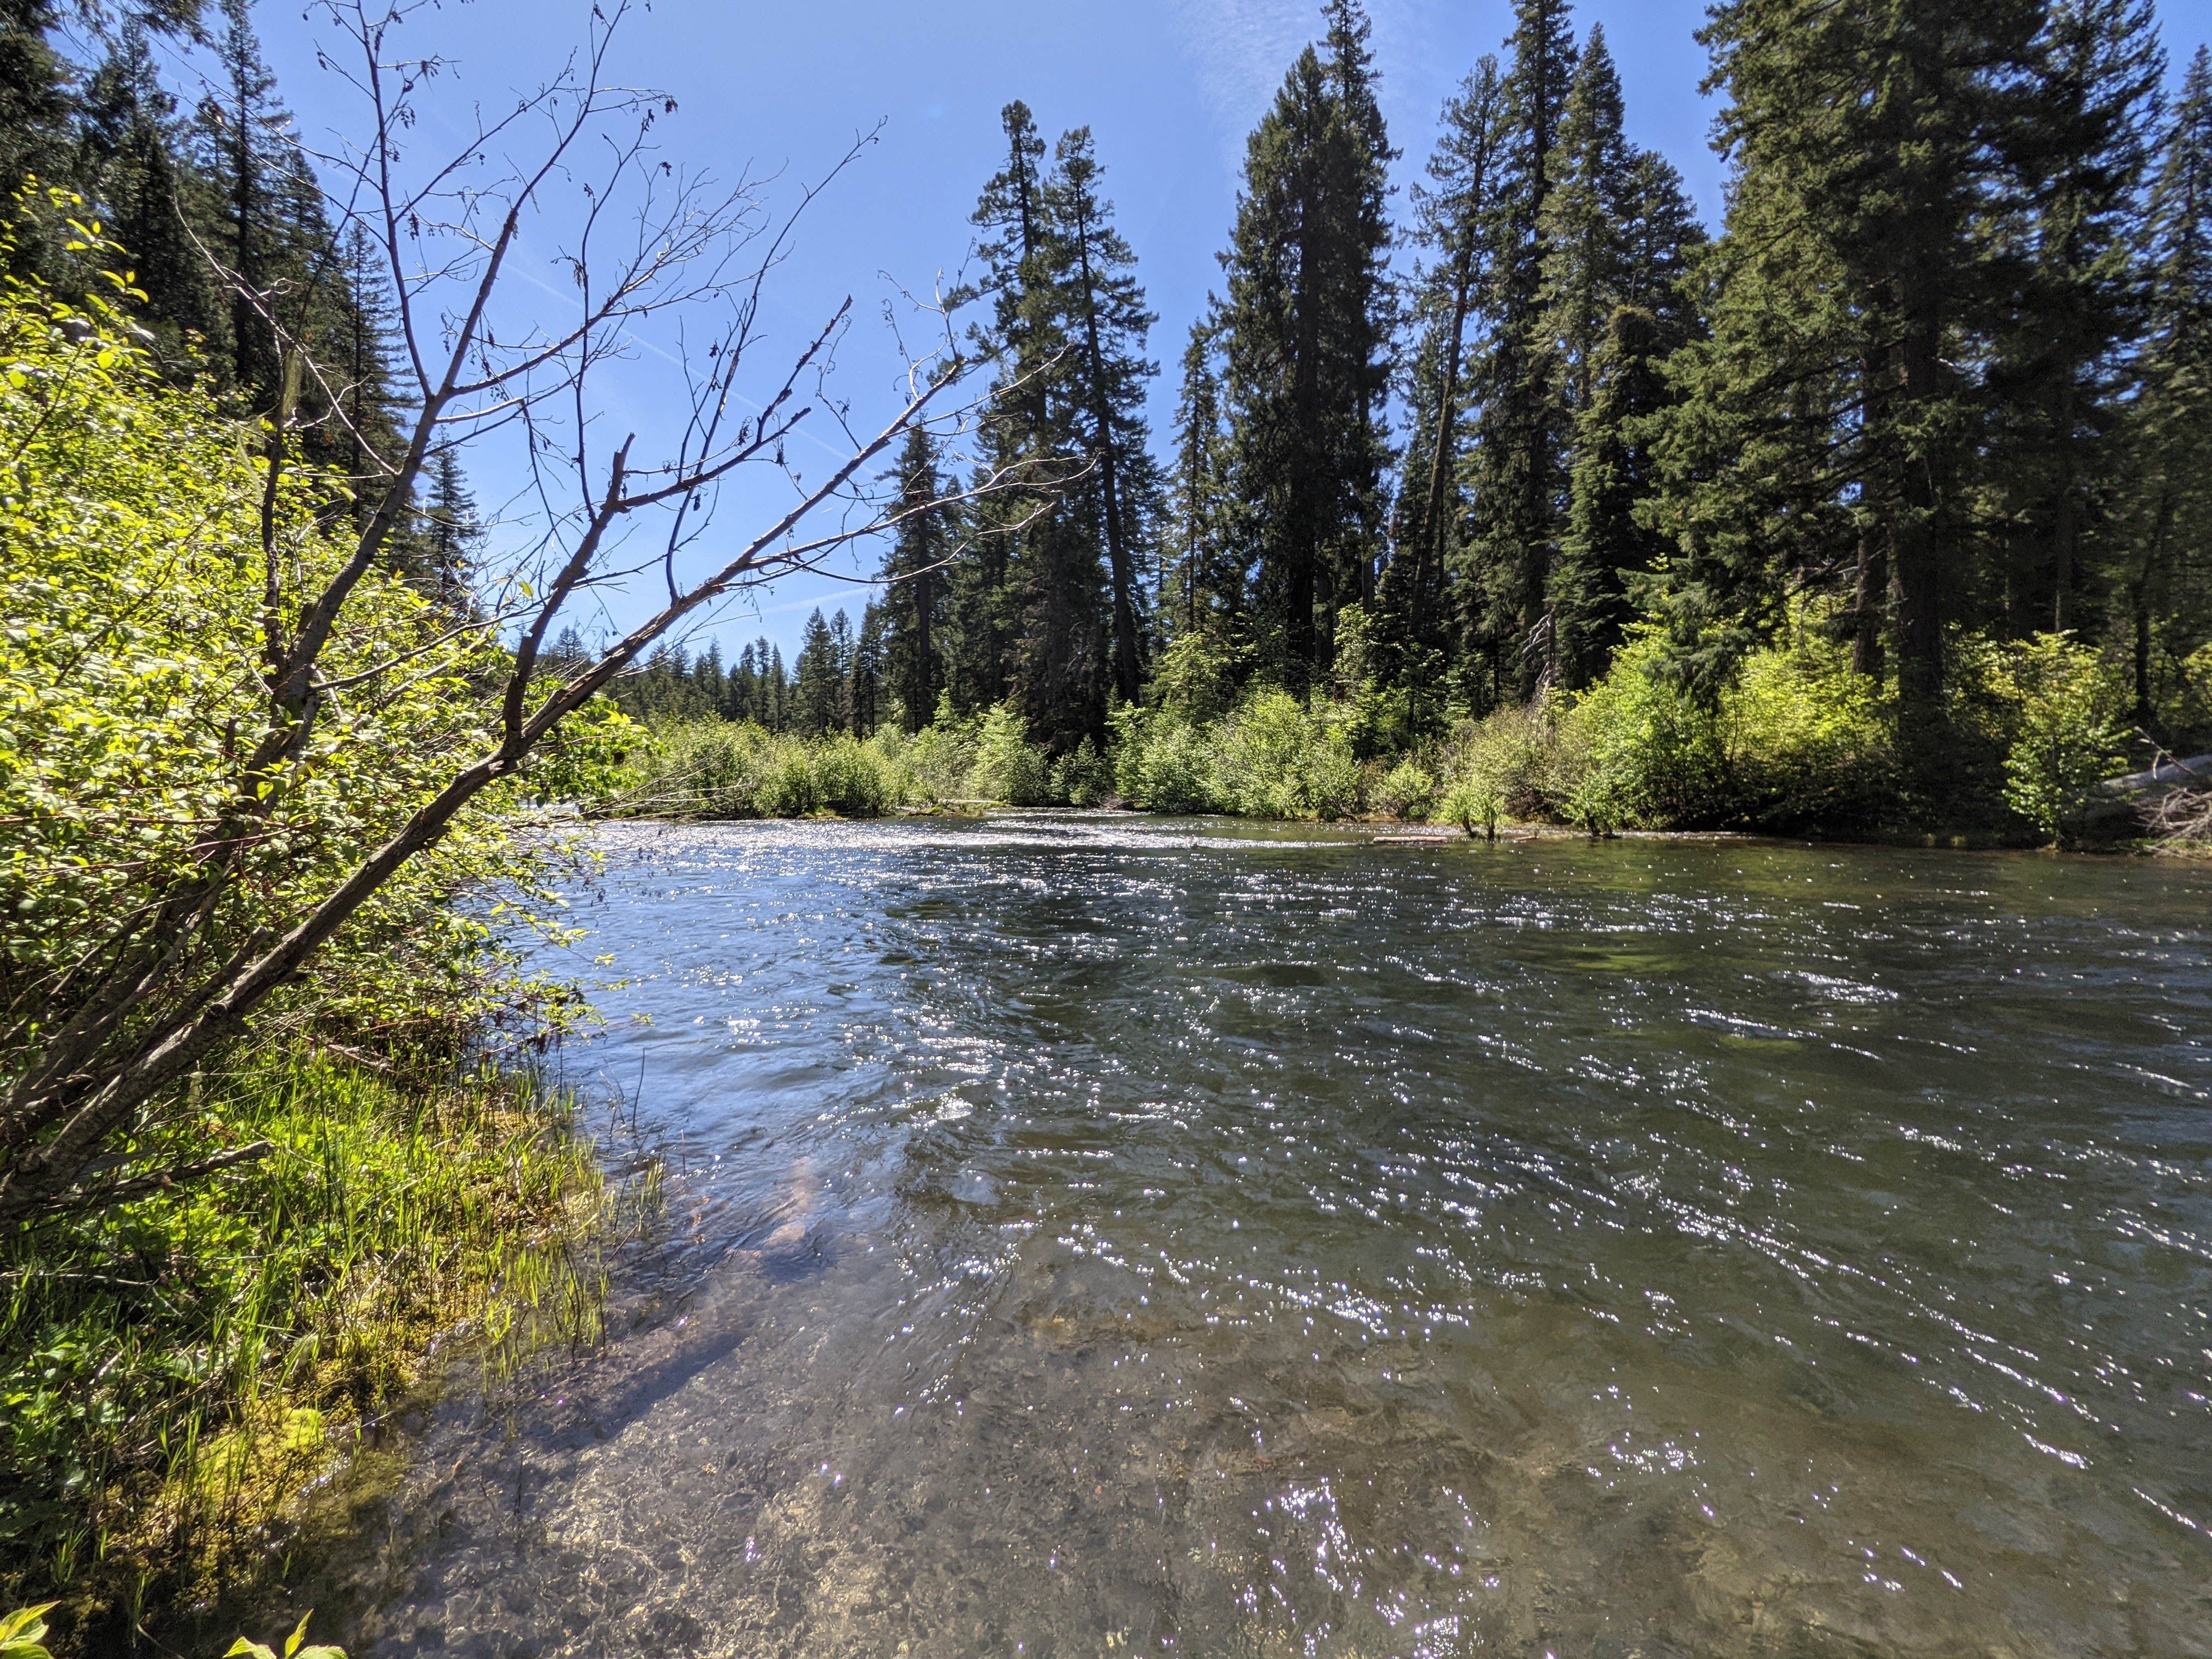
{"type": "Point", "coordinates": [1088, 1236]}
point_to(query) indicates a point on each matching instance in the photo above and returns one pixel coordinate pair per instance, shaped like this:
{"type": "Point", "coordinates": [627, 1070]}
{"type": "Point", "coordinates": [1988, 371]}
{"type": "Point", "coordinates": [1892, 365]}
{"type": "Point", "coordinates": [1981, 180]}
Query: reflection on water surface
{"type": "Point", "coordinates": [1094, 1236]}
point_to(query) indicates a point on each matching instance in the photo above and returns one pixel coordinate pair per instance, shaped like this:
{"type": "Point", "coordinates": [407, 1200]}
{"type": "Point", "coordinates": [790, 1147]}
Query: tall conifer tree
{"type": "Point", "coordinates": [1303, 330]}
{"type": "Point", "coordinates": [2078, 140]}
{"type": "Point", "coordinates": [2169, 513]}
{"type": "Point", "coordinates": [1453, 223]}
{"type": "Point", "coordinates": [912, 612]}
{"type": "Point", "coordinates": [1518, 474]}
{"type": "Point", "coordinates": [1207, 596]}
{"type": "Point", "coordinates": [1833, 420]}
{"type": "Point", "coordinates": [1106, 379]}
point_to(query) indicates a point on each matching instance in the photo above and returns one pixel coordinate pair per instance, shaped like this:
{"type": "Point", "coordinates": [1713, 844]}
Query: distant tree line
{"type": "Point", "coordinates": [1944, 374]}
{"type": "Point", "coordinates": [836, 684]}
{"type": "Point", "coordinates": [1947, 369]}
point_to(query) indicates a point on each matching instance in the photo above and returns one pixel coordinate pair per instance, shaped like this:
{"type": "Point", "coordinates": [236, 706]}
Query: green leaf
{"type": "Point", "coordinates": [22, 1632]}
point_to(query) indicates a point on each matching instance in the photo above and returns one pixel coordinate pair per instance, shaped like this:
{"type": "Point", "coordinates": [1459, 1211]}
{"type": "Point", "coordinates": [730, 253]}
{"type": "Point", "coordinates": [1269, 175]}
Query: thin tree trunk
{"type": "Point", "coordinates": [1431, 546]}
{"type": "Point", "coordinates": [1127, 672]}
{"type": "Point", "coordinates": [1916, 573]}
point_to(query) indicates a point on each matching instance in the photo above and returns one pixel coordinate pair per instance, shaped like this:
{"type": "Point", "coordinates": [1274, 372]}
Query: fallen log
{"type": "Point", "coordinates": [2142, 801]}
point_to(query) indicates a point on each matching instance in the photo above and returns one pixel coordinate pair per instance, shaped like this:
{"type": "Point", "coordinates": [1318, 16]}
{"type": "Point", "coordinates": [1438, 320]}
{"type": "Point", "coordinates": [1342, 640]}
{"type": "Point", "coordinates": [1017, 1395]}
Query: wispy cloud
{"type": "Point", "coordinates": [1241, 48]}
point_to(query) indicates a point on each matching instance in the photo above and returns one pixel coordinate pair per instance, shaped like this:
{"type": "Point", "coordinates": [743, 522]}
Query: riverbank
{"type": "Point", "coordinates": [190, 1377]}
{"type": "Point", "coordinates": [1515, 775]}
{"type": "Point", "coordinates": [1799, 743]}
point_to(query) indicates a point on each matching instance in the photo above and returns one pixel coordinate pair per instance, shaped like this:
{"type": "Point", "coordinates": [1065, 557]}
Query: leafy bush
{"type": "Point", "coordinates": [1472, 803]}
{"type": "Point", "coordinates": [1195, 679]}
{"type": "Point", "coordinates": [936, 760]}
{"type": "Point", "coordinates": [1274, 758]}
{"type": "Point", "coordinates": [852, 779]}
{"type": "Point", "coordinates": [1406, 791]}
{"type": "Point", "coordinates": [720, 769]}
{"type": "Point", "coordinates": [1657, 755]}
{"type": "Point", "coordinates": [2068, 731]}
{"type": "Point", "coordinates": [1517, 753]}
{"type": "Point", "coordinates": [1813, 741]}
{"type": "Point", "coordinates": [2184, 713]}
{"type": "Point", "coordinates": [1008, 766]}
{"type": "Point", "coordinates": [1161, 762]}
{"type": "Point", "coordinates": [1084, 777]}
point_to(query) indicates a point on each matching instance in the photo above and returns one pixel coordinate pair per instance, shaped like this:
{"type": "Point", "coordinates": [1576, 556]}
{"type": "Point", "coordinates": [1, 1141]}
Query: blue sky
{"type": "Point", "coordinates": [1168, 86]}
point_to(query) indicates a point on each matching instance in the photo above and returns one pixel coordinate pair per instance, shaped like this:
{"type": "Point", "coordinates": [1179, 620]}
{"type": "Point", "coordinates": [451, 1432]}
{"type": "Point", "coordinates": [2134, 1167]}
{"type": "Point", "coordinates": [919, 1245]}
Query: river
{"type": "Point", "coordinates": [1092, 1235]}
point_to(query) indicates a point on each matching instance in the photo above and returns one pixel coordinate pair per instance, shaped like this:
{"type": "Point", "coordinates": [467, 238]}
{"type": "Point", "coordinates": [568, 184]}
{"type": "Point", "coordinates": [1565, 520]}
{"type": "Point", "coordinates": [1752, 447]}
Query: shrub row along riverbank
{"type": "Point", "coordinates": [215, 1308]}
{"type": "Point", "coordinates": [1797, 743]}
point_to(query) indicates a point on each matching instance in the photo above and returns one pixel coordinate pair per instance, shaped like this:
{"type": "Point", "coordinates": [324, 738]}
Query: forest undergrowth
{"type": "Point", "coordinates": [1797, 743]}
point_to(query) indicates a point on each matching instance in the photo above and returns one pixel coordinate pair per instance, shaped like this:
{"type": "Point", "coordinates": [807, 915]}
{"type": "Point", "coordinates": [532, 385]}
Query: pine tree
{"type": "Point", "coordinates": [267, 226]}
{"type": "Point", "coordinates": [910, 617]}
{"type": "Point", "coordinates": [1518, 478]}
{"type": "Point", "coordinates": [450, 533]}
{"type": "Point", "coordinates": [2078, 144]}
{"type": "Point", "coordinates": [244, 134]}
{"type": "Point", "coordinates": [817, 697]}
{"type": "Point", "coordinates": [1303, 332]}
{"type": "Point", "coordinates": [1205, 593]}
{"type": "Point", "coordinates": [1020, 344]}
{"type": "Point", "coordinates": [1829, 424]}
{"type": "Point", "coordinates": [359, 327]}
{"type": "Point", "coordinates": [127, 162]}
{"type": "Point", "coordinates": [708, 681]}
{"type": "Point", "coordinates": [34, 95]}
{"type": "Point", "coordinates": [1106, 380]}
{"type": "Point", "coordinates": [1588, 209]}
{"type": "Point", "coordinates": [1617, 227]}
{"type": "Point", "coordinates": [2169, 511]}
{"type": "Point", "coordinates": [864, 676]}
{"type": "Point", "coordinates": [1452, 223]}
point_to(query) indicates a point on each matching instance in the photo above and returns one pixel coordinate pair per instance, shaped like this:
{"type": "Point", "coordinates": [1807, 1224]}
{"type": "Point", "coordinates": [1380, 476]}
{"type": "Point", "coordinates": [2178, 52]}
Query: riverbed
{"type": "Point", "coordinates": [1087, 1234]}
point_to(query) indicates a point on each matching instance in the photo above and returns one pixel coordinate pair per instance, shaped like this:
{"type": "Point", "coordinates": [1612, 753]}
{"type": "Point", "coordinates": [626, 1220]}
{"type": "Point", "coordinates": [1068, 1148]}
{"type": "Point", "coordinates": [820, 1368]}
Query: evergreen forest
{"type": "Point", "coordinates": [1913, 450]}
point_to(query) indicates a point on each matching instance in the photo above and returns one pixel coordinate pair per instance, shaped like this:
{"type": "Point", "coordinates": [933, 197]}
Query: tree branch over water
{"type": "Point", "coordinates": [668, 274]}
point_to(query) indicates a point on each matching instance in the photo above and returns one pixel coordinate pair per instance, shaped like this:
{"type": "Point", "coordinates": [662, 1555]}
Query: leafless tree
{"type": "Point", "coordinates": [665, 270]}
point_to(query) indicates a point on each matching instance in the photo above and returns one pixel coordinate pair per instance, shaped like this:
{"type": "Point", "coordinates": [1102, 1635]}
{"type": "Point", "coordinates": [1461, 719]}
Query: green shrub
{"type": "Point", "coordinates": [1008, 768]}
{"type": "Point", "coordinates": [1331, 779]}
{"type": "Point", "coordinates": [1194, 680]}
{"type": "Point", "coordinates": [1519, 754]}
{"type": "Point", "coordinates": [1273, 758]}
{"type": "Point", "coordinates": [718, 769]}
{"type": "Point", "coordinates": [2183, 713]}
{"type": "Point", "coordinates": [1406, 791]}
{"type": "Point", "coordinates": [1161, 763]}
{"type": "Point", "coordinates": [851, 779]}
{"type": "Point", "coordinates": [1082, 778]}
{"type": "Point", "coordinates": [939, 758]}
{"type": "Point", "coordinates": [2067, 732]}
{"type": "Point", "coordinates": [1657, 756]}
{"type": "Point", "coordinates": [1471, 803]}
{"type": "Point", "coordinates": [1813, 742]}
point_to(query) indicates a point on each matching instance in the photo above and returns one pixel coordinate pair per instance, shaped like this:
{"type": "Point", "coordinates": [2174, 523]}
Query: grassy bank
{"type": "Point", "coordinates": [235, 1271]}
{"type": "Point", "coordinates": [714, 768]}
{"type": "Point", "coordinates": [1797, 743]}
{"type": "Point", "coordinates": [180, 1373]}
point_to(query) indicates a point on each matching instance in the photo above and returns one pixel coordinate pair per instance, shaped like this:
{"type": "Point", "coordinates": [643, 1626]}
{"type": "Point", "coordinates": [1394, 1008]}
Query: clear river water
{"type": "Point", "coordinates": [1090, 1235]}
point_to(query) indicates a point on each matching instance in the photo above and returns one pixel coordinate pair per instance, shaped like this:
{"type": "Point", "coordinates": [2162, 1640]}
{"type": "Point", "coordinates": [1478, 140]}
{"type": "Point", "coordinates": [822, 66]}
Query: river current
{"type": "Point", "coordinates": [1090, 1235]}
